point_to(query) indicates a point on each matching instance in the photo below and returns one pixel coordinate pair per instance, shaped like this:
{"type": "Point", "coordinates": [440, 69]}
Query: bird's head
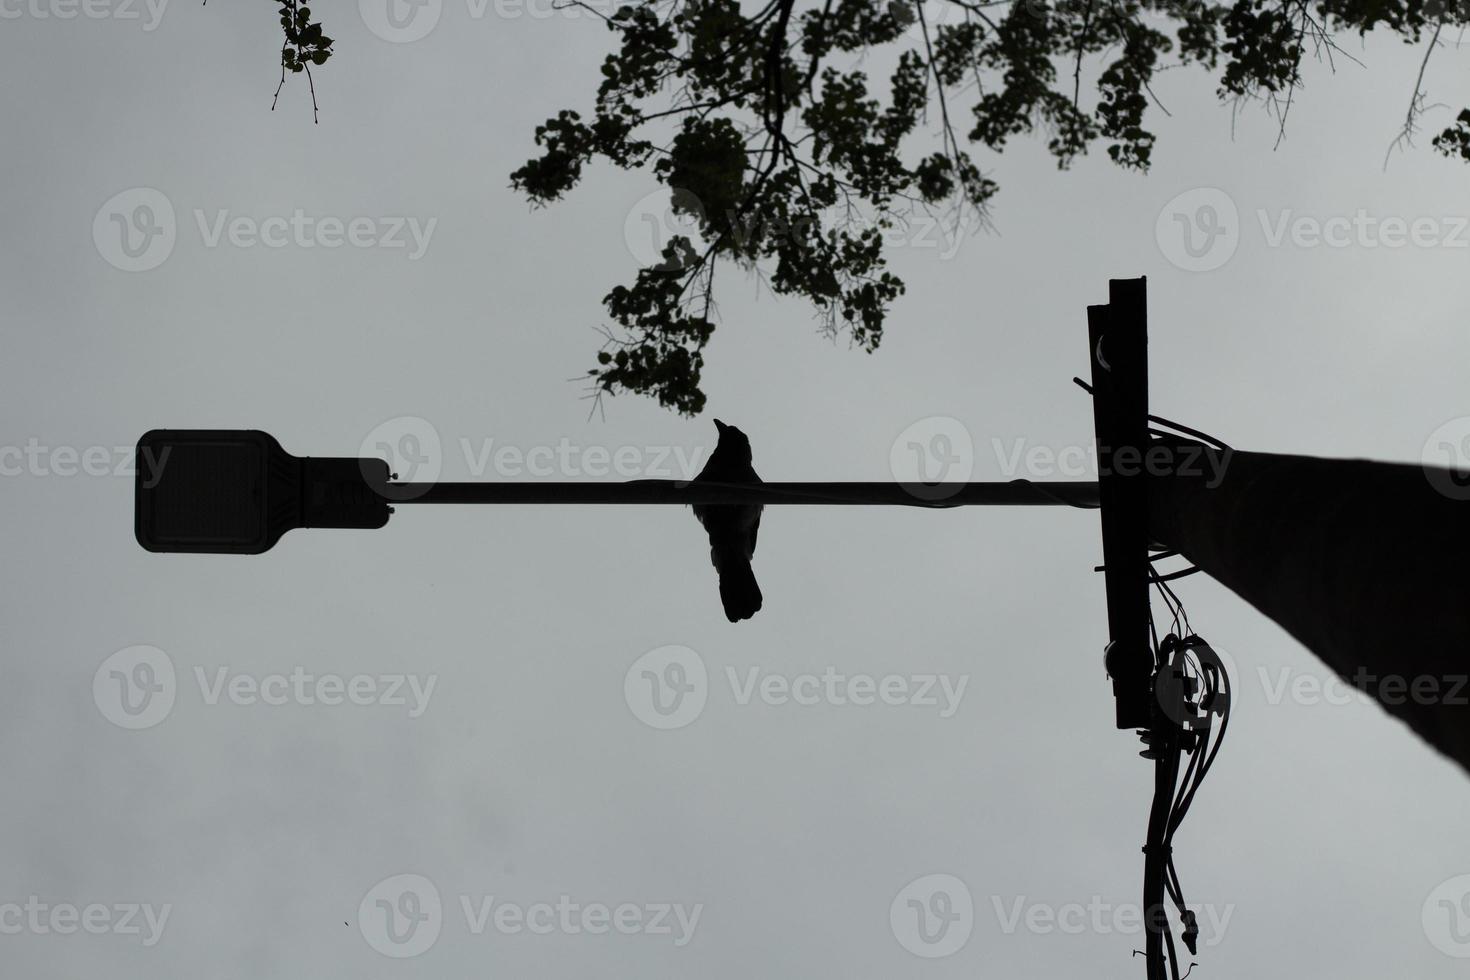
{"type": "Point", "coordinates": [732, 442]}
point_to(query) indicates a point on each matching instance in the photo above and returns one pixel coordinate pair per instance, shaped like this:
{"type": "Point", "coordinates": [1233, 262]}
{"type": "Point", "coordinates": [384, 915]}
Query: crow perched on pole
{"type": "Point", "coordinates": [732, 528]}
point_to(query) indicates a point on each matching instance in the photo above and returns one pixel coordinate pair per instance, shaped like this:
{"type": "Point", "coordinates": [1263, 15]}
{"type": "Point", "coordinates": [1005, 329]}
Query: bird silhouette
{"type": "Point", "coordinates": [732, 527]}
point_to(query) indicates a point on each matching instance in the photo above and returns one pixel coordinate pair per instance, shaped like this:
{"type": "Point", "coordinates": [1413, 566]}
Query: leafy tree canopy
{"type": "Point", "coordinates": [763, 123]}
{"type": "Point", "coordinates": [776, 124]}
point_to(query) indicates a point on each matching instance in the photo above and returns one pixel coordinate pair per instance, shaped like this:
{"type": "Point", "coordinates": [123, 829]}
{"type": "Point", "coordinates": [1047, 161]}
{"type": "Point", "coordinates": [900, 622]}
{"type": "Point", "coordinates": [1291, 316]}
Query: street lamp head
{"type": "Point", "coordinates": [236, 491]}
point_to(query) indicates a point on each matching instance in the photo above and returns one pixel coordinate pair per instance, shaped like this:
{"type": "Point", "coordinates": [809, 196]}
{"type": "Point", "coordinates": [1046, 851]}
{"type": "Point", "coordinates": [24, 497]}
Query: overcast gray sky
{"type": "Point", "coordinates": [789, 836]}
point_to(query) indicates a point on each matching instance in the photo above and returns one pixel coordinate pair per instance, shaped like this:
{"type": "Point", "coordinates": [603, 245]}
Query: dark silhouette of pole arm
{"type": "Point", "coordinates": [217, 491]}
{"type": "Point", "coordinates": [1014, 493]}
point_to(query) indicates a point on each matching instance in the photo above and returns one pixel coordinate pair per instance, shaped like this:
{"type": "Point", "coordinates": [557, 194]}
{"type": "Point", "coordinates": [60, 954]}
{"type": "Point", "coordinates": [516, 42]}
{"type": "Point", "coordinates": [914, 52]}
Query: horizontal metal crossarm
{"type": "Point", "coordinates": [1015, 493]}
{"type": "Point", "coordinates": [236, 491]}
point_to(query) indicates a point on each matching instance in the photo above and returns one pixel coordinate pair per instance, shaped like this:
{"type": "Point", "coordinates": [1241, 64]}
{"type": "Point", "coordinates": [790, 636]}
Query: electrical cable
{"type": "Point", "coordinates": [1192, 712]}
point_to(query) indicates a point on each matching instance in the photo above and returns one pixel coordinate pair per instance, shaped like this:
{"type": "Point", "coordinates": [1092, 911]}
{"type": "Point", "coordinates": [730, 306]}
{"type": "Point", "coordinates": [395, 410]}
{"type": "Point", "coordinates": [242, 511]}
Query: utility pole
{"type": "Point", "coordinates": [1367, 564]}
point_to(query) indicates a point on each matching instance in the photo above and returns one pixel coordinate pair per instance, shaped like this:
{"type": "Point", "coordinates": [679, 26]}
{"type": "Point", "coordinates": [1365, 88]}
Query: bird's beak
{"type": "Point", "coordinates": [720, 425]}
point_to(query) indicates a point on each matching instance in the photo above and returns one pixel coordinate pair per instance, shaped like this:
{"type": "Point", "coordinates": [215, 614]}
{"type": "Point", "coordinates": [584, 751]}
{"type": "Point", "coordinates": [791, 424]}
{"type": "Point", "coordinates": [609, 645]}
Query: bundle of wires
{"type": "Point", "coordinates": [1193, 693]}
{"type": "Point", "coordinates": [1192, 690]}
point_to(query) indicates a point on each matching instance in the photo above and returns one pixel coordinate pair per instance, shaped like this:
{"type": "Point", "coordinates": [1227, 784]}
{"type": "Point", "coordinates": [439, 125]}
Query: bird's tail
{"type": "Point", "coordinates": [739, 592]}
